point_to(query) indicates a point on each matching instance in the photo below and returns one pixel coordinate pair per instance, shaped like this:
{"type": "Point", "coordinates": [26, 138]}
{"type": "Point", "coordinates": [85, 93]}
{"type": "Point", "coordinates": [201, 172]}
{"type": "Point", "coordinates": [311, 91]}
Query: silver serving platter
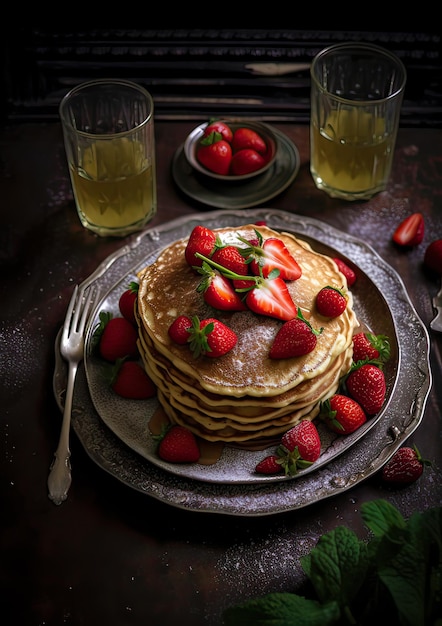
{"type": "Point", "coordinates": [117, 436]}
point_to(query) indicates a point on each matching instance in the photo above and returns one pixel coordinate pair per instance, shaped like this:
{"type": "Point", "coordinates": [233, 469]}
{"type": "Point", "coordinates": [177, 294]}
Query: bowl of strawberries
{"type": "Point", "coordinates": [232, 149]}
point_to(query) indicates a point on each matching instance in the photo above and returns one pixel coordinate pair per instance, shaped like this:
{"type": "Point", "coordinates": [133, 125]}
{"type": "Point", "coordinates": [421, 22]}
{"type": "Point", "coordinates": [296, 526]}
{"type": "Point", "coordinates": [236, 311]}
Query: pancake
{"type": "Point", "coordinates": [243, 396]}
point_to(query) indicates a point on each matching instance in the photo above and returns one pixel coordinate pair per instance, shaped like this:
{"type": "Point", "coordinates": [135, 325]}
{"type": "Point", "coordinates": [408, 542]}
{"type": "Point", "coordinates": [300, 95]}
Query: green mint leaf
{"type": "Point", "coordinates": [337, 566]}
{"type": "Point", "coordinates": [380, 516]}
{"type": "Point", "coordinates": [282, 609]}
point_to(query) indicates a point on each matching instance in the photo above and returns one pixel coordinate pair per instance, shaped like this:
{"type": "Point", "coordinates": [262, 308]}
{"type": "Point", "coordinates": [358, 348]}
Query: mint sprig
{"type": "Point", "coordinates": [395, 577]}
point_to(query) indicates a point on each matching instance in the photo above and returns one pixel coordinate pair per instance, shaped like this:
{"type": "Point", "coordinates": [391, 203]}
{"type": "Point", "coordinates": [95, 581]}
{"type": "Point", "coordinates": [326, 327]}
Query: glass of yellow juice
{"type": "Point", "coordinates": [356, 98]}
{"type": "Point", "coordinates": [108, 130]}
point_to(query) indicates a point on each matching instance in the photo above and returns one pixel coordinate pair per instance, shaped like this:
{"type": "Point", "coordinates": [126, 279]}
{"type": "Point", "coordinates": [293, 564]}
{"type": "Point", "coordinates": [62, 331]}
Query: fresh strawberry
{"type": "Point", "coordinates": [369, 347]}
{"type": "Point", "coordinates": [342, 414]}
{"type": "Point", "coordinates": [331, 301]}
{"type": "Point", "coordinates": [116, 338]}
{"type": "Point", "coordinates": [345, 269]}
{"type": "Point", "coordinates": [178, 331]}
{"type": "Point", "coordinates": [248, 138]}
{"type": "Point", "coordinates": [246, 161]}
{"type": "Point", "coordinates": [131, 381]}
{"type": "Point", "coordinates": [215, 153]}
{"type": "Point", "coordinates": [219, 127]}
{"type": "Point", "coordinates": [410, 231]}
{"type": "Point", "coordinates": [268, 255]}
{"type": "Point", "coordinates": [405, 467]}
{"type": "Point", "coordinates": [232, 259]}
{"type": "Point", "coordinates": [300, 447]}
{"type": "Point", "coordinates": [202, 240]}
{"type": "Point", "coordinates": [366, 384]}
{"type": "Point", "coordinates": [295, 338]}
{"type": "Point", "coordinates": [433, 256]}
{"type": "Point", "coordinates": [211, 337]}
{"type": "Point", "coordinates": [218, 291]}
{"type": "Point", "coordinates": [269, 465]}
{"type": "Point", "coordinates": [127, 302]}
{"type": "Point", "coordinates": [270, 296]}
{"type": "Point", "coordinates": [178, 445]}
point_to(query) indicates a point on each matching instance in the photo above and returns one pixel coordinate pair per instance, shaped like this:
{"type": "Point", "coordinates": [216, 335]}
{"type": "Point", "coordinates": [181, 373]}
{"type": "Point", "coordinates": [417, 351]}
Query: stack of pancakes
{"type": "Point", "coordinates": [243, 398]}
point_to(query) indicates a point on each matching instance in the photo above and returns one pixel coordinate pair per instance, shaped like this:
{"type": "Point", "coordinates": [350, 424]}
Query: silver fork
{"type": "Point", "coordinates": [72, 349]}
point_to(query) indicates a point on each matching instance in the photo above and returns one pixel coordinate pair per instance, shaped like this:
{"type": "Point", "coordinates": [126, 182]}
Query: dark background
{"type": "Point", "coordinates": [192, 72]}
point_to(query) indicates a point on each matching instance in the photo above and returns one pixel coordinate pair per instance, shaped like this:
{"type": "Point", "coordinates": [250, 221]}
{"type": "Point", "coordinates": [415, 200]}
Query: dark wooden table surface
{"type": "Point", "coordinates": [110, 554]}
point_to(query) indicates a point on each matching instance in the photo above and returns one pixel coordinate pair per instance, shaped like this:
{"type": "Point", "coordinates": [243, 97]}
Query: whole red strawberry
{"type": "Point", "coordinates": [369, 347]}
{"type": "Point", "coordinates": [246, 161]}
{"type": "Point", "coordinates": [116, 338]}
{"type": "Point", "coordinates": [215, 153]}
{"type": "Point", "coordinates": [331, 301]}
{"type": "Point", "coordinates": [202, 240]}
{"type": "Point", "coordinates": [211, 337]}
{"type": "Point", "coordinates": [296, 337]}
{"type": "Point", "coordinates": [231, 258]}
{"type": "Point", "coordinates": [248, 138]}
{"type": "Point", "coordinates": [366, 384]}
{"type": "Point", "coordinates": [218, 291]}
{"type": "Point", "coordinates": [342, 414]}
{"type": "Point", "coordinates": [433, 256]}
{"type": "Point", "coordinates": [405, 467]}
{"type": "Point", "coordinates": [178, 445]}
{"type": "Point", "coordinates": [131, 381]}
{"type": "Point", "coordinates": [300, 447]}
{"type": "Point", "coordinates": [219, 127]}
{"type": "Point", "coordinates": [345, 269]}
{"type": "Point", "coordinates": [127, 302]}
{"type": "Point", "coordinates": [178, 331]}
{"type": "Point", "coordinates": [269, 465]}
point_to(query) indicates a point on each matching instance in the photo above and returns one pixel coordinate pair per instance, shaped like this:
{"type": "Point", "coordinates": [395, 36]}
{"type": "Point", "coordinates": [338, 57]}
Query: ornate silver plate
{"type": "Point", "coordinates": [120, 445]}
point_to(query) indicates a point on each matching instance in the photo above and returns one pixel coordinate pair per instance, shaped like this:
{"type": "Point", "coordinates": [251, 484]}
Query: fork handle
{"type": "Point", "coordinates": [59, 479]}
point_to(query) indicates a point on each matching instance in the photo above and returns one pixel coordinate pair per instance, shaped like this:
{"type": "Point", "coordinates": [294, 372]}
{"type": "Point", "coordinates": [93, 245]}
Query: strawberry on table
{"type": "Point", "coordinates": [345, 269]}
{"type": "Point", "coordinates": [331, 301]}
{"type": "Point", "coordinates": [366, 384]}
{"type": "Point", "coordinates": [300, 447]}
{"type": "Point", "coordinates": [405, 467]}
{"type": "Point", "coordinates": [296, 337]}
{"type": "Point", "coordinates": [178, 445]}
{"type": "Point", "coordinates": [116, 338]}
{"type": "Point", "coordinates": [342, 414]}
{"type": "Point", "coordinates": [130, 380]}
{"type": "Point", "coordinates": [433, 256]}
{"type": "Point", "coordinates": [202, 240]}
{"type": "Point", "coordinates": [367, 347]}
{"type": "Point", "coordinates": [410, 231]}
{"type": "Point", "coordinates": [215, 153]}
{"type": "Point", "coordinates": [127, 302]}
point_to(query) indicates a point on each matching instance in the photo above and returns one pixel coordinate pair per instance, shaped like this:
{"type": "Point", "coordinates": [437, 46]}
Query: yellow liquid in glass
{"type": "Point", "coordinates": [113, 186]}
{"type": "Point", "coordinates": [352, 152]}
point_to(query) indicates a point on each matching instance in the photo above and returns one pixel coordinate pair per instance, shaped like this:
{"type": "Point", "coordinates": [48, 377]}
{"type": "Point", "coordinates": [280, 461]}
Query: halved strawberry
{"type": "Point", "coordinates": [270, 296]}
{"type": "Point", "coordinates": [271, 254]}
{"type": "Point", "coordinates": [201, 240]}
{"type": "Point", "coordinates": [218, 291]}
{"type": "Point", "coordinates": [410, 231]}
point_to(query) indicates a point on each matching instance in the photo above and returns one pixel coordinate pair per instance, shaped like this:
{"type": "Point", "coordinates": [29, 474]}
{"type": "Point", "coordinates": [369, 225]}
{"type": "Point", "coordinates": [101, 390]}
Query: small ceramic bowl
{"type": "Point", "coordinates": [192, 142]}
